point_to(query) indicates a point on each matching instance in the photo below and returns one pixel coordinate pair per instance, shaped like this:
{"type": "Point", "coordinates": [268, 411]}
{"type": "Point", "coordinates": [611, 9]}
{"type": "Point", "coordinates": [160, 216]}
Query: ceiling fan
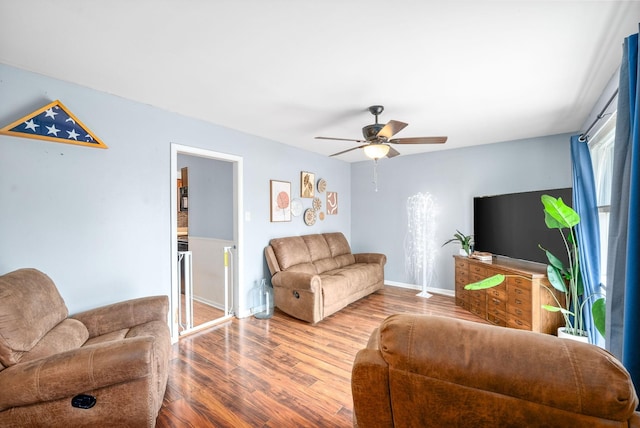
{"type": "Point", "coordinates": [378, 137]}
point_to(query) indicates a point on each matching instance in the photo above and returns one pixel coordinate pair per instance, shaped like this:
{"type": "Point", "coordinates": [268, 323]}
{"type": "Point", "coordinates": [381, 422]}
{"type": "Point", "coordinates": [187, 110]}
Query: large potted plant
{"type": "Point", "coordinates": [566, 279]}
{"type": "Point", "coordinates": [465, 241]}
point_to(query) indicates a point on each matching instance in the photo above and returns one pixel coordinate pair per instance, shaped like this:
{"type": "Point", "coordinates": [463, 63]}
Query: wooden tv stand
{"type": "Point", "coordinates": [516, 303]}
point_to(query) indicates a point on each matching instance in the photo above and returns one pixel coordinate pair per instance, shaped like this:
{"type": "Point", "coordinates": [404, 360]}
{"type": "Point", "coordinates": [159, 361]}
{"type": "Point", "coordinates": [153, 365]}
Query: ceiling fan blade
{"type": "Point", "coordinates": [419, 140]}
{"type": "Point", "coordinates": [392, 153]}
{"type": "Point", "coordinates": [340, 139]}
{"type": "Point", "coordinates": [348, 150]}
{"type": "Point", "coordinates": [392, 128]}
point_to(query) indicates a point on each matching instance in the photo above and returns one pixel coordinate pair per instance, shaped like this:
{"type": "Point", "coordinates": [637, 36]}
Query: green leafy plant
{"type": "Point", "coordinates": [465, 241]}
{"type": "Point", "coordinates": [565, 279]}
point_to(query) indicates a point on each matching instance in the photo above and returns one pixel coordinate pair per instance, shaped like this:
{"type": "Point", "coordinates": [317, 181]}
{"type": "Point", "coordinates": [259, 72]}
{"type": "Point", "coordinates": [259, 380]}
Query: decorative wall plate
{"type": "Point", "coordinates": [309, 217]}
{"type": "Point", "coordinates": [296, 207]}
{"type": "Point", "coordinates": [322, 185]}
{"type": "Point", "coordinates": [317, 204]}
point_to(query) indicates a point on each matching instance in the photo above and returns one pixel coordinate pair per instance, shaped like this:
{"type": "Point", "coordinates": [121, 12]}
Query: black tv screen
{"type": "Point", "coordinates": [513, 225]}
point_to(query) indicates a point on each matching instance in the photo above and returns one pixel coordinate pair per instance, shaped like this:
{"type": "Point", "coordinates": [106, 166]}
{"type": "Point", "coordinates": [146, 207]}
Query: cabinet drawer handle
{"type": "Point", "coordinates": [518, 301]}
{"type": "Point", "coordinates": [496, 301]}
{"type": "Point", "coordinates": [518, 312]}
{"type": "Point", "coordinates": [518, 322]}
{"type": "Point", "coordinates": [518, 291]}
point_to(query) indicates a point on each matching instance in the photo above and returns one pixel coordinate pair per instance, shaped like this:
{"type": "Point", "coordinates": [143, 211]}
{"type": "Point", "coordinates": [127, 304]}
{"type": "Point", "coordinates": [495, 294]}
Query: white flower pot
{"type": "Point", "coordinates": [564, 335]}
{"type": "Point", "coordinates": [463, 253]}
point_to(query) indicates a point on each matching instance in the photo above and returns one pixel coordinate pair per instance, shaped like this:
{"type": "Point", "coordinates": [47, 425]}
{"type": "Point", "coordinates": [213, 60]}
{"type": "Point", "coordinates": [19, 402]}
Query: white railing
{"type": "Point", "coordinates": [185, 267]}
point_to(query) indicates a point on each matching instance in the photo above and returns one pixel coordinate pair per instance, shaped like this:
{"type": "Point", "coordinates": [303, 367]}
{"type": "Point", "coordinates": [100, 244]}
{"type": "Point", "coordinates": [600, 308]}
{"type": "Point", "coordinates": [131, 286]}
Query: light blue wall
{"type": "Point", "coordinates": [453, 178]}
{"type": "Point", "coordinates": [98, 221]}
{"type": "Point", "coordinates": [210, 184]}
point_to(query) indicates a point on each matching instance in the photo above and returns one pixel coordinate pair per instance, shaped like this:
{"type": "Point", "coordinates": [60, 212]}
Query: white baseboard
{"type": "Point", "coordinates": [434, 290]}
{"type": "Point", "coordinates": [244, 314]}
{"type": "Point", "coordinates": [208, 302]}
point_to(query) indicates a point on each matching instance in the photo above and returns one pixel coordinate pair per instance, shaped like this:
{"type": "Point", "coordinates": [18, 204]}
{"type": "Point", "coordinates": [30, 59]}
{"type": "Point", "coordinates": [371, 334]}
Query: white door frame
{"type": "Point", "coordinates": [237, 229]}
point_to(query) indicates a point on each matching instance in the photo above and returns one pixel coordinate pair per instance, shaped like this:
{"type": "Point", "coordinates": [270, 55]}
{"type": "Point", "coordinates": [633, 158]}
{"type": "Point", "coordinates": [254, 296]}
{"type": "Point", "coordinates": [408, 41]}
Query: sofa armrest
{"type": "Point", "coordinates": [297, 280]}
{"type": "Point", "coordinates": [74, 372]}
{"type": "Point", "coordinates": [376, 258]}
{"type": "Point", "coordinates": [370, 390]}
{"type": "Point", "coordinates": [125, 314]}
{"type": "Point", "coordinates": [272, 260]}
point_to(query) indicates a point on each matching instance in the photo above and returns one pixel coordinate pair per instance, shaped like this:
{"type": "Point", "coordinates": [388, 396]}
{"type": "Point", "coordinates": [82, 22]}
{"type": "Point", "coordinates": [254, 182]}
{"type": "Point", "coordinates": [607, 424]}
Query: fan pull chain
{"type": "Point", "coordinates": [375, 174]}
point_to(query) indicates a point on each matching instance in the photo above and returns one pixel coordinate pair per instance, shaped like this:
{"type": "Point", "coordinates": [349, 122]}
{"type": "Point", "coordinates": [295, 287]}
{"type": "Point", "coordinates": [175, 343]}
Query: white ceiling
{"type": "Point", "coordinates": [288, 70]}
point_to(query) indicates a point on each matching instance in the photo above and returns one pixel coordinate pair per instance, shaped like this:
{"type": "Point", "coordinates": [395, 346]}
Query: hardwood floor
{"type": "Point", "coordinates": [202, 313]}
{"type": "Point", "coordinates": [281, 372]}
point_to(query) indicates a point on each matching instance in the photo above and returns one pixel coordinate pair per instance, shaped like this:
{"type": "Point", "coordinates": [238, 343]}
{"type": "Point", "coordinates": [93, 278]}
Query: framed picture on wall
{"type": "Point", "coordinates": [280, 200]}
{"type": "Point", "coordinates": [307, 184]}
{"type": "Point", "coordinates": [332, 203]}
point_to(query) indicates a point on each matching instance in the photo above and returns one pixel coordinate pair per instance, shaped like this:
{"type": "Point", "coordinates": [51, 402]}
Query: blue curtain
{"type": "Point", "coordinates": [623, 273]}
{"type": "Point", "coordinates": [587, 231]}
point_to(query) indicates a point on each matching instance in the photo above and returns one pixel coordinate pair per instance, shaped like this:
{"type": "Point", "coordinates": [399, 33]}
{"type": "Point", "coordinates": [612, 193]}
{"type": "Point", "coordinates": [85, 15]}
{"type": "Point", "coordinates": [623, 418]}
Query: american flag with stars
{"type": "Point", "coordinates": [53, 122]}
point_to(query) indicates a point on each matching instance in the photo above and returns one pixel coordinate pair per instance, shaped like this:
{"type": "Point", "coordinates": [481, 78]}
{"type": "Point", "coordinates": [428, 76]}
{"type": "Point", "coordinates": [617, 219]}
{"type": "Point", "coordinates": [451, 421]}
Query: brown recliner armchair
{"type": "Point", "coordinates": [430, 371]}
{"type": "Point", "coordinates": [102, 367]}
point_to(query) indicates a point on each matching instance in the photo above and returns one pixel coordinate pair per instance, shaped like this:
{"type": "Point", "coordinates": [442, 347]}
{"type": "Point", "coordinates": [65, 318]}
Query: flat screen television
{"type": "Point", "coordinates": [513, 225]}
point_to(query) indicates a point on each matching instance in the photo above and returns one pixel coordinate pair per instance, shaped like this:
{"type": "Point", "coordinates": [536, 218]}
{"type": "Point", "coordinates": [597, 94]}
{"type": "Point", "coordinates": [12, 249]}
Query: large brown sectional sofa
{"type": "Point", "coordinates": [430, 371]}
{"type": "Point", "coordinates": [314, 276]}
{"type": "Point", "coordinates": [103, 367]}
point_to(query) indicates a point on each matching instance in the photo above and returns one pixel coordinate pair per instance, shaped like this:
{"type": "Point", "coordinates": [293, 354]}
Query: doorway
{"type": "Point", "coordinates": [206, 233]}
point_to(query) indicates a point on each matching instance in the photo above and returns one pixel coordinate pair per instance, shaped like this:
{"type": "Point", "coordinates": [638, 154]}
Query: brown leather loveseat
{"type": "Point", "coordinates": [314, 276]}
{"type": "Point", "coordinates": [429, 371]}
{"type": "Point", "coordinates": [103, 367]}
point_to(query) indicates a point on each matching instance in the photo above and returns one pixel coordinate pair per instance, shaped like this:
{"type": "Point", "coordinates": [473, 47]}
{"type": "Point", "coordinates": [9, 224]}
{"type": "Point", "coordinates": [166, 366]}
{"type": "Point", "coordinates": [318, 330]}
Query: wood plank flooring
{"type": "Point", "coordinates": [281, 372]}
{"type": "Point", "coordinates": [202, 313]}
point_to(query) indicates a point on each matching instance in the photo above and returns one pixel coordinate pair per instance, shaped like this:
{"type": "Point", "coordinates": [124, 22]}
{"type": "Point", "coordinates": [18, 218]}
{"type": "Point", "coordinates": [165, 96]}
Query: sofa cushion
{"type": "Point", "coordinates": [294, 252]}
{"type": "Point", "coordinates": [69, 334]}
{"type": "Point", "coordinates": [31, 307]}
{"type": "Point", "coordinates": [325, 265]}
{"type": "Point", "coordinates": [317, 247]}
{"type": "Point", "coordinates": [303, 268]}
{"type": "Point", "coordinates": [344, 260]}
{"type": "Point", "coordinates": [108, 337]}
{"type": "Point", "coordinates": [338, 244]}
{"type": "Point", "coordinates": [290, 251]}
{"type": "Point", "coordinates": [340, 284]}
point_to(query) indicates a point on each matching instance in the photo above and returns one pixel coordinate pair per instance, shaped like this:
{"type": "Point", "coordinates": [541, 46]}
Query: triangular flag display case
{"type": "Point", "coordinates": [53, 122]}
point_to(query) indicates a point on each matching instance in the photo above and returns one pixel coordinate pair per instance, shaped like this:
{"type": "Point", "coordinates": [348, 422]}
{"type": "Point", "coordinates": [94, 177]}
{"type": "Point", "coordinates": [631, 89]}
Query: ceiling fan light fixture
{"type": "Point", "coordinates": [377, 135]}
{"type": "Point", "coordinates": [376, 151]}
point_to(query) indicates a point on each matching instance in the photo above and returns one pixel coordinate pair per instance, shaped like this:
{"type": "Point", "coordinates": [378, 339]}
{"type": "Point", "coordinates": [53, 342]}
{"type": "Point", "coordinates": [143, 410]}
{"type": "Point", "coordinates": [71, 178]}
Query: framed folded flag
{"type": "Point", "coordinates": [53, 122]}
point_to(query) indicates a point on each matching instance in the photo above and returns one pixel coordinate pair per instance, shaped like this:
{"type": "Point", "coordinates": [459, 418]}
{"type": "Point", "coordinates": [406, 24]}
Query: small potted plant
{"type": "Point", "coordinates": [466, 241]}
{"type": "Point", "coordinates": [565, 279]}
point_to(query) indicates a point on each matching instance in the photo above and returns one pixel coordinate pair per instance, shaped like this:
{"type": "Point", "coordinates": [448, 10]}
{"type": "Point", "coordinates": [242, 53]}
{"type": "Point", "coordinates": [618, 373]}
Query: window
{"type": "Point", "coordinates": [601, 148]}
